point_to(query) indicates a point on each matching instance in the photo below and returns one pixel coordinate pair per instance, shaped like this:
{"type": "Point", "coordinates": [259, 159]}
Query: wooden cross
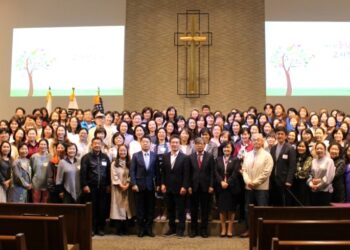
{"type": "Point", "coordinates": [194, 41]}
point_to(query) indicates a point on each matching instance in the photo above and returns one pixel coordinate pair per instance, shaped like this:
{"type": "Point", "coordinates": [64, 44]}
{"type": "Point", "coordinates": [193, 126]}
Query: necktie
{"type": "Point", "coordinates": [146, 158]}
{"type": "Point", "coordinates": [172, 160]}
{"type": "Point", "coordinates": [199, 160]}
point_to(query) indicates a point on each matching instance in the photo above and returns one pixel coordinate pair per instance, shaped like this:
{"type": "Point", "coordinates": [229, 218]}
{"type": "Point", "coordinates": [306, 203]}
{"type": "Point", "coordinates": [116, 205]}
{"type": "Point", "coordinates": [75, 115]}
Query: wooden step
{"type": "Point", "coordinates": [160, 227]}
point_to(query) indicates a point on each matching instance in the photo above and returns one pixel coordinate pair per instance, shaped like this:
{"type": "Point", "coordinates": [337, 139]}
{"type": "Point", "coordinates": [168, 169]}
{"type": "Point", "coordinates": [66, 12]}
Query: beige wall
{"type": "Point", "coordinates": [51, 13]}
{"type": "Point", "coordinates": [237, 66]}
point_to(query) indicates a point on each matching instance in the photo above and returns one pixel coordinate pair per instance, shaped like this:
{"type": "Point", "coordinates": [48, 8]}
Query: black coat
{"type": "Point", "coordinates": [202, 177]}
{"type": "Point", "coordinates": [338, 181]}
{"type": "Point", "coordinates": [95, 170]}
{"type": "Point", "coordinates": [177, 177]}
{"type": "Point", "coordinates": [232, 174]}
{"type": "Point", "coordinates": [284, 166]}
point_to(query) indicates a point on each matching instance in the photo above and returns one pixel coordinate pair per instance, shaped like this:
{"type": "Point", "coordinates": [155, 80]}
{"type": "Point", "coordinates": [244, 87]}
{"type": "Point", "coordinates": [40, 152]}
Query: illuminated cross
{"type": "Point", "coordinates": [193, 40]}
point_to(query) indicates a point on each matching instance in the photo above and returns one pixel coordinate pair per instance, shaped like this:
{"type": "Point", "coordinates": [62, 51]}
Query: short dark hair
{"type": "Point", "coordinates": [205, 131]}
{"type": "Point", "coordinates": [199, 140]}
{"type": "Point", "coordinates": [225, 144]}
{"type": "Point", "coordinates": [96, 139]}
{"type": "Point", "coordinates": [174, 137]}
{"type": "Point", "coordinates": [70, 144]}
{"type": "Point", "coordinates": [337, 145]}
{"type": "Point", "coordinates": [205, 106]}
{"type": "Point", "coordinates": [22, 144]}
{"type": "Point", "coordinates": [22, 109]}
{"type": "Point", "coordinates": [116, 135]}
{"type": "Point", "coordinates": [44, 140]}
{"type": "Point", "coordinates": [4, 130]}
{"type": "Point", "coordinates": [100, 130]}
{"type": "Point", "coordinates": [321, 143]}
{"type": "Point", "coordinates": [146, 137]}
{"type": "Point", "coordinates": [281, 129]}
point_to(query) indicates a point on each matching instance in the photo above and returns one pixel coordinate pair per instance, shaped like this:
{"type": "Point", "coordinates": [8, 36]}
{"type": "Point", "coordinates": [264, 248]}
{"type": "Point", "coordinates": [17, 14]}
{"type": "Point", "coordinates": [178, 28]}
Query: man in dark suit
{"type": "Point", "coordinates": [201, 187]}
{"type": "Point", "coordinates": [143, 173]}
{"type": "Point", "coordinates": [174, 183]}
{"type": "Point", "coordinates": [284, 159]}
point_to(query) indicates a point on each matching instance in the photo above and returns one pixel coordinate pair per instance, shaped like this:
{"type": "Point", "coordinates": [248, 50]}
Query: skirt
{"type": "Point", "coordinates": [3, 194]}
{"type": "Point", "coordinates": [227, 202]}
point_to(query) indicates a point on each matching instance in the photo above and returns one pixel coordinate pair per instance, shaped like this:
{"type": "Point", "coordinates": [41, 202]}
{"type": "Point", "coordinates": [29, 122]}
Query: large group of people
{"type": "Point", "coordinates": [159, 164]}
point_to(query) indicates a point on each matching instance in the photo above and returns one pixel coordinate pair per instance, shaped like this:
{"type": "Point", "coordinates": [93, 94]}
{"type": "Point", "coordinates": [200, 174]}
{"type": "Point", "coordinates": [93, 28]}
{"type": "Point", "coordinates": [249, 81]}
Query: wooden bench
{"type": "Point", "coordinates": [314, 230]}
{"type": "Point", "coordinates": [309, 245]}
{"type": "Point", "coordinates": [42, 232]}
{"type": "Point", "coordinates": [13, 242]}
{"type": "Point", "coordinates": [78, 218]}
{"type": "Point", "coordinates": [298, 213]}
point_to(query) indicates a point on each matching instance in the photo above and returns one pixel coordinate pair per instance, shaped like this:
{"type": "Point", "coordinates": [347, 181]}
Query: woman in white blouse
{"type": "Point", "coordinates": [135, 145]}
{"type": "Point", "coordinates": [321, 177]}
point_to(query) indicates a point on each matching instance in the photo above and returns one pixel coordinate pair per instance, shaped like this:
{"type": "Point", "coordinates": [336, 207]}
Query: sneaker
{"type": "Point", "coordinates": [188, 216]}
{"type": "Point", "coordinates": [163, 218]}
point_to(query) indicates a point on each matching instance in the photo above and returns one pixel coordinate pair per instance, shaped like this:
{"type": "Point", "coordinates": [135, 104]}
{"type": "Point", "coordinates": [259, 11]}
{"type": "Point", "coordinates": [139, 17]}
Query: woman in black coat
{"type": "Point", "coordinates": [304, 160]}
{"type": "Point", "coordinates": [335, 150]}
{"type": "Point", "coordinates": [228, 187]}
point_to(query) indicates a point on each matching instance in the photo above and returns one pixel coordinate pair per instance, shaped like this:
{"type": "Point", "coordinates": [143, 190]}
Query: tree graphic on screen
{"type": "Point", "coordinates": [293, 56]}
{"type": "Point", "coordinates": [31, 61]}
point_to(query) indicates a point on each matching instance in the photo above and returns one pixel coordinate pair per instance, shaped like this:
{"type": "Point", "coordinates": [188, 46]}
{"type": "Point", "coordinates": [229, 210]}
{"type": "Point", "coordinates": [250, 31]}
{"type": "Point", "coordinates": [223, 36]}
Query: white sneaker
{"type": "Point", "coordinates": [163, 218]}
{"type": "Point", "coordinates": [188, 216]}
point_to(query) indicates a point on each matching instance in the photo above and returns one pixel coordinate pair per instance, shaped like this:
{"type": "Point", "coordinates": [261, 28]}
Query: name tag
{"type": "Point", "coordinates": [104, 163]}
{"type": "Point", "coordinates": [285, 157]}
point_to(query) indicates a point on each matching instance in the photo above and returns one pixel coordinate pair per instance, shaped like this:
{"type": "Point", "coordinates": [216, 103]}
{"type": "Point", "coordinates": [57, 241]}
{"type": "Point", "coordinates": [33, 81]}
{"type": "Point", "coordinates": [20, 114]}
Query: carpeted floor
{"type": "Point", "coordinates": [110, 242]}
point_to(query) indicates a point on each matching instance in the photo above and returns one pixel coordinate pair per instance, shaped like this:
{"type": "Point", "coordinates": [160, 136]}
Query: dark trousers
{"type": "Point", "coordinates": [280, 196]}
{"type": "Point", "coordinates": [54, 197]}
{"type": "Point", "coordinates": [256, 197]}
{"type": "Point", "coordinates": [145, 201]}
{"type": "Point", "coordinates": [201, 199]}
{"type": "Point", "coordinates": [176, 205]}
{"type": "Point", "coordinates": [68, 199]}
{"type": "Point", "coordinates": [301, 191]}
{"type": "Point", "coordinates": [98, 198]}
{"type": "Point", "coordinates": [320, 198]}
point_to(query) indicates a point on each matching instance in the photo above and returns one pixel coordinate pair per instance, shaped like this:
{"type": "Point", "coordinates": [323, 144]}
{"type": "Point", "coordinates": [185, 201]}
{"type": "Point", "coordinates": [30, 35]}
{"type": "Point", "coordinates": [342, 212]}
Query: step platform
{"type": "Point", "coordinates": [160, 227]}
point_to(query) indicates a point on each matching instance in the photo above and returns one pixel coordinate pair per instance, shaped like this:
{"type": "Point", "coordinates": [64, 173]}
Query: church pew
{"type": "Point", "coordinates": [13, 242]}
{"type": "Point", "coordinates": [78, 218]}
{"type": "Point", "coordinates": [285, 213]}
{"type": "Point", "coordinates": [309, 245]}
{"type": "Point", "coordinates": [42, 232]}
{"type": "Point", "coordinates": [314, 230]}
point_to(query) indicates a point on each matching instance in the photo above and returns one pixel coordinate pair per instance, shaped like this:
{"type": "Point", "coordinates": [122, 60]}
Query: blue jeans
{"type": "Point", "coordinates": [256, 197]}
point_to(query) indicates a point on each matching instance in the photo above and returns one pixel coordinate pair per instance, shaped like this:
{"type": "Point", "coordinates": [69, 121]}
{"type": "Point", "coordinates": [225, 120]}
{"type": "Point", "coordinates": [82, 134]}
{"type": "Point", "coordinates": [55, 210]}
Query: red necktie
{"type": "Point", "coordinates": [199, 160]}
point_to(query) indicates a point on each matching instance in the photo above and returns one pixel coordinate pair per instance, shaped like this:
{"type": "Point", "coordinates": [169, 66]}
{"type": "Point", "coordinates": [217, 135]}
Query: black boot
{"type": "Point", "coordinates": [118, 228]}
{"type": "Point", "coordinates": [125, 227]}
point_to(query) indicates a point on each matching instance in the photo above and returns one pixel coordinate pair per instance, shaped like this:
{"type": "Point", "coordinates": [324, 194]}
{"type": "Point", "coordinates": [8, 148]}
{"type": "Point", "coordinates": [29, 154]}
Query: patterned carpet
{"type": "Point", "coordinates": [110, 242]}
